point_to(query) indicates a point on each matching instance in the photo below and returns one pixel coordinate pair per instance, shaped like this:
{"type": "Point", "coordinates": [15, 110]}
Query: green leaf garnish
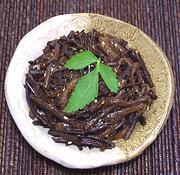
{"type": "Point", "coordinates": [84, 93]}
{"type": "Point", "coordinates": [81, 60]}
{"type": "Point", "coordinates": [109, 77]}
{"type": "Point", "coordinates": [86, 89]}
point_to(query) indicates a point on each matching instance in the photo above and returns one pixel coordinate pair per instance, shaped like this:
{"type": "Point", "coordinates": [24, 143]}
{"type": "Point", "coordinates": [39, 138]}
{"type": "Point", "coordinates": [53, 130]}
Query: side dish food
{"type": "Point", "coordinates": [89, 89]}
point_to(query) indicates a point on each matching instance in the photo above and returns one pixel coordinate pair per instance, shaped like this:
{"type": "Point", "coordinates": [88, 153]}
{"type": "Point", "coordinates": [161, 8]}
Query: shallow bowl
{"type": "Point", "coordinates": [30, 47]}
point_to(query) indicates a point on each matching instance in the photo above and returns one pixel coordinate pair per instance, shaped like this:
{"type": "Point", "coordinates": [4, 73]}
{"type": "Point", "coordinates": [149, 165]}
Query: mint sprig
{"type": "Point", "coordinates": [86, 89]}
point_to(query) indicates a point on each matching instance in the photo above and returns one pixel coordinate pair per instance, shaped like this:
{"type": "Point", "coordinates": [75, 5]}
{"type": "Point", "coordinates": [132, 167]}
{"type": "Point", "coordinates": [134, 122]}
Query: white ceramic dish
{"type": "Point", "coordinates": [30, 47]}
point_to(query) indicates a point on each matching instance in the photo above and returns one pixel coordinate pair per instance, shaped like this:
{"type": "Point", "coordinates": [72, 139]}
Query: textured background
{"type": "Point", "coordinates": [160, 19]}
